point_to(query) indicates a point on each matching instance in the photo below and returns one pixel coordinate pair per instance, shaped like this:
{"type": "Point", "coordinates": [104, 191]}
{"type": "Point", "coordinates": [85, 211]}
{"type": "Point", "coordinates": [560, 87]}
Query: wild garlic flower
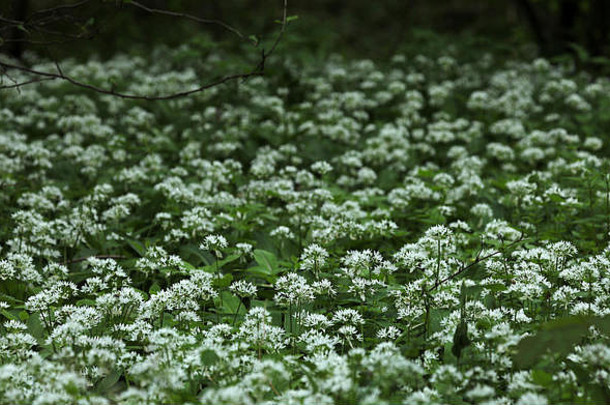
{"type": "Point", "coordinates": [438, 233]}
{"type": "Point", "coordinates": [215, 244]}
{"type": "Point", "coordinates": [293, 289]}
{"type": "Point", "coordinates": [347, 316]}
{"type": "Point", "coordinates": [317, 341]}
{"type": "Point", "coordinates": [321, 167]}
{"type": "Point", "coordinates": [243, 288]}
{"type": "Point", "coordinates": [313, 258]}
{"type": "Point", "coordinates": [388, 333]}
{"type": "Point", "coordinates": [244, 248]}
{"type": "Point", "coordinates": [257, 330]}
{"type": "Point", "coordinates": [361, 262]}
{"type": "Point", "coordinates": [282, 232]}
{"type": "Point", "coordinates": [323, 287]}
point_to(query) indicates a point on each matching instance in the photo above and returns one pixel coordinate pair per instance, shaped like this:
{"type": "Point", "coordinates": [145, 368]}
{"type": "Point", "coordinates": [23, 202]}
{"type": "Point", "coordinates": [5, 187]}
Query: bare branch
{"type": "Point", "coordinates": [188, 17]}
{"type": "Point", "coordinates": [477, 260]}
{"type": "Point", "coordinates": [18, 85]}
{"type": "Point", "coordinates": [282, 30]}
{"type": "Point", "coordinates": [54, 14]}
{"type": "Point", "coordinates": [61, 7]}
{"type": "Point", "coordinates": [50, 42]}
{"type": "Point", "coordinates": [10, 21]}
{"type": "Point", "coordinates": [265, 55]}
{"type": "Point", "coordinates": [37, 25]}
{"type": "Point", "coordinates": [61, 76]}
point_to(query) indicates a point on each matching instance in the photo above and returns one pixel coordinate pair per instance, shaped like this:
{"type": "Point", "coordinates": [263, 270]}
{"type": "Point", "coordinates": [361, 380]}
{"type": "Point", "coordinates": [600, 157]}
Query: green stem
{"type": "Point", "coordinates": [236, 312]}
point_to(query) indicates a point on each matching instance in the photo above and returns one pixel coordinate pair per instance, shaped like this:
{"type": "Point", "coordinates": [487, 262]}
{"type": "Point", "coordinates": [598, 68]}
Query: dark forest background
{"type": "Point", "coordinates": [375, 29]}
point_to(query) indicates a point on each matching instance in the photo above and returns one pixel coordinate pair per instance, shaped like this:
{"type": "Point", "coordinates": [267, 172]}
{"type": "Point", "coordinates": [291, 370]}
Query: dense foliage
{"type": "Point", "coordinates": [426, 230]}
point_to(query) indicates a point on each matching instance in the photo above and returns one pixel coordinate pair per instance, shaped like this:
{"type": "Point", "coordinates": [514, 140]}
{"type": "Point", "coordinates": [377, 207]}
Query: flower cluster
{"type": "Point", "coordinates": [416, 232]}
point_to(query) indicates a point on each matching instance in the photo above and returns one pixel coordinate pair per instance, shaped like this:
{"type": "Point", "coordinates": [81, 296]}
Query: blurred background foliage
{"type": "Point", "coordinates": [363, 28]}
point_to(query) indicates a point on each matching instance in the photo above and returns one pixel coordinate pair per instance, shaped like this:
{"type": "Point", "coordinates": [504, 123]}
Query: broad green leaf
{"type": "Point", "coordinates": [460, 339]}
{"type": "Point", "coordinates": [209, 358]}
{"type": "Point", "coordinates": [542, 378]}
{"type": "Point", "coordinates": [35, 327]}
{"type": "Point", "coordinates": [155, 288]}
{"type": "Point", "coordinates": [557, 337]}
{"type": "Point", "coordinates": [222, 282]}
{"type": "Point", "coordinates": [267, 261]}
{"type": "Point", "coordinates": [228, 259]}
{"type": "Point", "coordinates": [108, 381]}
{"type": "Point", "coordinates": [137, 246]}
{"type": "Point", "coordinates": [230, 303]}
{"type": "Point", "coordinates": [9, 315]}
{"type": "Point", "coordinates": [86, 302]}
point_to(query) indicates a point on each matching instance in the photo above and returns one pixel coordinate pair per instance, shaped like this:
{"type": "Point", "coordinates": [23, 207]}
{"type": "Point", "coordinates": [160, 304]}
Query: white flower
{"type": "Point", "coordinates": [438, 232]}
{"type": "Point", "coordinates": [321, 167]}
{"type": "Point", "coordinates": [532, 398]}
{"type": "Point", "coordinates": [215, 244]}
{"type": "Point", "coordinates": [313, 258]}
{"type": "Point", "coordinates": [243, 288]}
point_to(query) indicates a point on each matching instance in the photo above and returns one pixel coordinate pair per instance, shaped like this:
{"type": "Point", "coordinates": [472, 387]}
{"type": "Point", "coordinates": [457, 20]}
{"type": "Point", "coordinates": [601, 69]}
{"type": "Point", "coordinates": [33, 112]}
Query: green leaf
{"type": "Point", "coordinates": [267, 261]}
{"type": "Point", "coordinates": [292, 18]}
{"type": "Point", "coordinates": [71, 388]}
{"type": "Point", "coordinates": [86, 302]}
{"type": "Point", "coordinates": [437, 315]}
{"type": "Point", "coordinates": [556, 198]}
{"type": "Point", "coordinates": [209, 358]}
{"type": "Point", "coordinates": [9, 315]}
{"type": "Point", "coordinates": [542, 378]}
{"type": "Point", "coordinates": [460, 339]}
{"type": "Point", "coordinates": [222, 282]}
{"type": "Point", "coordinates": [557, 337]}
{"type": "Point", "coordinates": [155, 288]}
{"type": "Point", "coordinates": [228, 259]}
{"type": "Point", "coordinates": [473, 291]}
{"type": "Point", "coordinates": [194, 250]}
{"type": "Point", "coordinates": [107, 382]}
{"type": "Point", "coordinates": [137, 246]}
{"type": "Point", "coordinates": [230, 303]}
{"type": "Point", "coordinates": [35, 327]}
{"type": "Point", "coordinates": [581, 52]}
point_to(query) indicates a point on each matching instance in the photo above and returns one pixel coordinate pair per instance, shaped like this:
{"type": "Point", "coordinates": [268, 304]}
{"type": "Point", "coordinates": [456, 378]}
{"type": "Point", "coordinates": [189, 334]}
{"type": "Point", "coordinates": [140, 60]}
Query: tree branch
{"type": "Point", "coordinates": [45, 75]}
{"type": "Point", "coordinates": [477, 260]}
{"type": "Point", "coordinates": [61, 76]}
{"type": "Point", "coordinates": [265, 55]}
{"type": "Point", "coordinates": [17, 85]}
{"type": "Point", "coordinates": [61, 7]}
{"type": "Point", "coordinates": [187, 17]}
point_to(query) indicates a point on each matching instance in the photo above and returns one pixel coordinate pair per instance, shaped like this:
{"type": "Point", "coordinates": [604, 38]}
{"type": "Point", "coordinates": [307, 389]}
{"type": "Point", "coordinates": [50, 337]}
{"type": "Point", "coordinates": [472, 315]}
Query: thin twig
{"type": "Point", "coordinates": [17, 85]}
{"type": "Point", "coordinates": [77, 83]}
{"type": "Point", "coordinates": [46, 43]}
{"type": "Point", "coordinates": [275, 391]}
{"type": "Point", "coordinates": [59, 8]}
{"type": "Point", "coordinates": [257, 71]}
{"type": "Point", "coordinates": [188, 17]}
{"type": "Point", "coordinates": [282, 30]}
{"type": "Point", "coordinates": [10, 21]}
{"type": "Point", "coordinates": [265, 55]}
{"type": "Point", "coordinates": [475, 262]}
